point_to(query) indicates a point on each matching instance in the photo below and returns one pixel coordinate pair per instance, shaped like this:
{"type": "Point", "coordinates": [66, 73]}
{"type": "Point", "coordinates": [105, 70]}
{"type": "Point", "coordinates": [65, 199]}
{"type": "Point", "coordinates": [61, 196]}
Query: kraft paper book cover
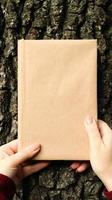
{"type": "Point", "coordinates": [57, 88]}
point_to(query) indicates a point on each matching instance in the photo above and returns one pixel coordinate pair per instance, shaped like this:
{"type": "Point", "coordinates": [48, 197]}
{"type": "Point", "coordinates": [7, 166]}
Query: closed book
{"type": "Point", "coordinates": [57, 88]}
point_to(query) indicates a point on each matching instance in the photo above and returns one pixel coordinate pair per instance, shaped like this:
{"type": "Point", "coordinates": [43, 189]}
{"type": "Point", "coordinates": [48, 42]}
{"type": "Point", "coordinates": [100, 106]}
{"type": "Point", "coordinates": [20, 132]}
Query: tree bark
{"type": "Point", "coordinates": [54, 19]}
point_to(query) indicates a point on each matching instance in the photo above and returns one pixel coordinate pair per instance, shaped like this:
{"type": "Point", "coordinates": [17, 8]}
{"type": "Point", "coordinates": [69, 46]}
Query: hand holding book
{"type": "Point", "coordinates": [15, 164]}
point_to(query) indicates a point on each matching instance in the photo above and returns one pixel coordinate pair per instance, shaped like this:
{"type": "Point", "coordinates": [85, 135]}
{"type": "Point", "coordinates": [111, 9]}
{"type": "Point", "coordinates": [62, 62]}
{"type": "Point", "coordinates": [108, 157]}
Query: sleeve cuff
{"type": "Point", "coordinates": [7, 186]}
{"type": "Point", "coordinates": [107, 194]}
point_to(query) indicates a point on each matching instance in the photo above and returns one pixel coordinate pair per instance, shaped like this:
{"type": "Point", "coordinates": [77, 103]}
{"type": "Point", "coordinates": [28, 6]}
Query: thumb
{"type": "Point", "coordinates": [93, 132]}
{"type": "Point", "coordinates": [24, 155]}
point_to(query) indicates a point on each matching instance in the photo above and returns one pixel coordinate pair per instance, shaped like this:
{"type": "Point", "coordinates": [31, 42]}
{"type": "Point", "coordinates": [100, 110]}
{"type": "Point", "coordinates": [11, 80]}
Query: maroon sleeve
{"type": "Point", "coordinates": [7, 188]}
{"type": "Point", "coordinates": [107, 194]}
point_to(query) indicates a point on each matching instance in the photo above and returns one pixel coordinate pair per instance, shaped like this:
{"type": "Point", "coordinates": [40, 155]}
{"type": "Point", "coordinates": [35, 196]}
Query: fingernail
{"type": "Point", "coordinates": [89, 119]}
{"type": "Point", "coordinates": [35, 147]}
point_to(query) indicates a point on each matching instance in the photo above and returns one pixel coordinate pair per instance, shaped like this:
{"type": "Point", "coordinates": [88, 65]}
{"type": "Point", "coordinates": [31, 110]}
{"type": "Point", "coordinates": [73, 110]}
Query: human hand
{"type": "Point", "coordinates": [100, 144]}
{"type": "Point", "coordinates": [15, 164]}
{"type": "Point", "coordinates": [80, 166]}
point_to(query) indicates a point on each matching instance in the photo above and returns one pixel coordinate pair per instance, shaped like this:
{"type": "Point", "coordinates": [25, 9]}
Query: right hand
{"type": "Point", "coordinates": [100, 144]}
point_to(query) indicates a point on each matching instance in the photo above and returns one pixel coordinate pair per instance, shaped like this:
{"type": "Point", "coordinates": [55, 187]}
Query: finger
{"type": "Point", "coordinates": [82, 167]}
{"type": "Point", "coordinates": [24, 155]}
{"type": "Point", "coordinates": [105, 131]}
{"type": "Point", "coordinates": [30, 169]}
{"type": "Point", "coordinates": [93, 132]}
{"type": "Point", "coordinates": [75, 165]}
{"type": "Point", "coordinates": [3, 155]}
{"type": "Point", "coordinates": [104, 128]}
{"type": "Point", "coordinates": [11, 147]}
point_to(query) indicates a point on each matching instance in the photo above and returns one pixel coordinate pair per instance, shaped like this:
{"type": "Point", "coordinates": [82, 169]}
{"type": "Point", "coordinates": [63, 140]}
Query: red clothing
{"type": "Point", "coordinates": [8, 189]}
{"type": "Point", "coordinates": [107, 194]}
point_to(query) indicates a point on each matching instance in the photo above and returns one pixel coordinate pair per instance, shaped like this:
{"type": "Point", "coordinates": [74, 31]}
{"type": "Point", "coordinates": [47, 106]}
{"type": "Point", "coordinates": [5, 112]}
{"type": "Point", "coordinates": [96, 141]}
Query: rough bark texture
{"type": "Point", "coordinates": [54, 19]}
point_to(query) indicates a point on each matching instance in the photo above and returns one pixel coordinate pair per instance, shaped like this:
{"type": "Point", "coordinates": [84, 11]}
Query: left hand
{"type": "Point", "coordinates": [15, 164]}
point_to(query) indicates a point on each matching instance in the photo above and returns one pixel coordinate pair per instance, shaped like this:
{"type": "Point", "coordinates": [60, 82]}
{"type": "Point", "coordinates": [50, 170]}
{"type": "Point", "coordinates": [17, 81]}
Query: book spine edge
{"type": "Point", "coordinates": [21, 82]}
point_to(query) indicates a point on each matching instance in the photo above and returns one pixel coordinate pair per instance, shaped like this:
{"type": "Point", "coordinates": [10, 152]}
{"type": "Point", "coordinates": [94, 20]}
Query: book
{"type": "Point", "coordinates": [57, 88]}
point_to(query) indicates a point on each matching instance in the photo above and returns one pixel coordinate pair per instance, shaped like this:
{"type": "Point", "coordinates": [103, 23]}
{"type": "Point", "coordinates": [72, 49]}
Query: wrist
{"type": "Point", "coordinates": [107, 180]}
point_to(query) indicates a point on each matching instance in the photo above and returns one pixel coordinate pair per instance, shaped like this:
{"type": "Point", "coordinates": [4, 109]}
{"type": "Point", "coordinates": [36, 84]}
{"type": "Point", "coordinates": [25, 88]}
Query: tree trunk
{"type": "Point", "coordinates": [54, 19]}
